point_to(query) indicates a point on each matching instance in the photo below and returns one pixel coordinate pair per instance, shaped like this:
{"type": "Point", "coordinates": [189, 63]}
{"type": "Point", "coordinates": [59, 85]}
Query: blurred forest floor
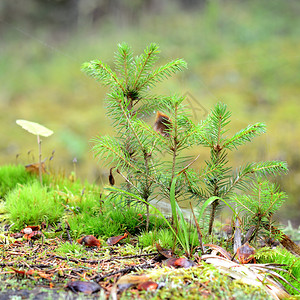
{"type": "Point", "coordinates": [243, 53]}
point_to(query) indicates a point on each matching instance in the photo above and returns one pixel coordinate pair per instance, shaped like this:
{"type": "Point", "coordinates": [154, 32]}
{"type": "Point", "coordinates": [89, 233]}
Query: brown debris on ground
{"type": "Point", "coordinates": [43, 267]}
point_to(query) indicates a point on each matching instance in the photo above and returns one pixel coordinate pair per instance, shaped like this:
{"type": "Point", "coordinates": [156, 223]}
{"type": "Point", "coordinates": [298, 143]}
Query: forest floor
{"type": "Point", "coordinates": [61, 259]}
{"type": "Point", "coordinates": [39, 270]}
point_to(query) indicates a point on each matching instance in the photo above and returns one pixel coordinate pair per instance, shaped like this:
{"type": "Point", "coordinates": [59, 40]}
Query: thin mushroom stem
{"type": "Point", "coordinates": [40, 158]}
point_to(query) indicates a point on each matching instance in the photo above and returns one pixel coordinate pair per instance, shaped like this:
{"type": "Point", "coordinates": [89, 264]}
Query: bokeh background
{"type": "Point", "coordinates": [244, 53]}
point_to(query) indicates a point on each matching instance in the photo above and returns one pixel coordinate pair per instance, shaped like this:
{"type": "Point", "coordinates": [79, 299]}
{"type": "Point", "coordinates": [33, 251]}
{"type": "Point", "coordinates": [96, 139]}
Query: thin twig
{"type": "Point", "coordinates": [128, 181]}
{"type": "Point", "coordinates": [67, 227]}
{"type": "Point", "coordinates": [187, 166]}
{"type": "Point", "coordinates": [123, 271]}
{"type": "Point", "coordinates": [103, 260]}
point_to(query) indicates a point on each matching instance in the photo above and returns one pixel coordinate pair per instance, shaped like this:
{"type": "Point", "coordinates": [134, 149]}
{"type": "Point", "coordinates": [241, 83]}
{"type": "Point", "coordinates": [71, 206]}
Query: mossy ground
{"type": "Point", "coordinates": [41, 269]}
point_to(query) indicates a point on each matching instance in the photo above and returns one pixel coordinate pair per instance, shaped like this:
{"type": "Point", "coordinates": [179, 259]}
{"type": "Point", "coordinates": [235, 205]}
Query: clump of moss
{"type": "Point", "coordinates": [108, 218]}
{"type": "Point", "coordinates": [11, 176]}
{"type": "Point", "coordinates": [164, 237]}
{"type": "Point", "coordinates": [73, 249]}
{"type": "Point", "coordinates": [201, 282]}
{"type": "Point", "coordinates": [107, 221]}
{"type": "Point", "coordinates": [32, 204]}
{"type": "Point", "coordinates": [282, 256]}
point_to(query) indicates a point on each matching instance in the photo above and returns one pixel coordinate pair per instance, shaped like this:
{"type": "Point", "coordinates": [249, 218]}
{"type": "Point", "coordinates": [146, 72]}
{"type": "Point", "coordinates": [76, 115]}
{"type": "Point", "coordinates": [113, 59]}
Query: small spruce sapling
{"type": "Point", "coordinates": [150, 158]}
{"type": "Point", "coordinates": [170, 142]}
{"type": "Point", "coordinates": [129, 99]}
{"type": "Point", "coordinates": [258, 205]}
{"type": "Point", "coordinates": [218, 179]}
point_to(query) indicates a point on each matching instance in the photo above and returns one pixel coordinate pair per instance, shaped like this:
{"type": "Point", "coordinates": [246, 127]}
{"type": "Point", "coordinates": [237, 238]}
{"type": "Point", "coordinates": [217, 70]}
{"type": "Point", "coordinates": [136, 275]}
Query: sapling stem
{"type": "Point", "coordinates": [40, 158]}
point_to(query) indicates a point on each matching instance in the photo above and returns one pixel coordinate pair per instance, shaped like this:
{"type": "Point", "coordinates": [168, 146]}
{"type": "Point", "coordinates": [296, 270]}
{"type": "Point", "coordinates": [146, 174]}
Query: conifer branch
{"type": "Point", "coordinates": [161, 73]}
{"type": "Point", "coordinates": [261, 168]}
{"type": "Point", "coordinates": [217, 121]}
{"type": "Point", "coordinates": [270, 167]}
{"type": "Point", "coordinates": [128, 181]}
{"type": "Point", "coordinates": [245, 135]}
{"type": "Point", "coordinates": [262, 200]}
{"type": "Point", "coordinates": [132, 129]}
{"type": "Point", "coordinates": [107, 147]}
{"type": "Point", "coordinates": [103, 73]}
{"type": "Point", "coordinates": [144, 62]}
{"type": "Point", "coordinates": [123, 59]}
{"type": "Point", "coordinates": [202, 135]}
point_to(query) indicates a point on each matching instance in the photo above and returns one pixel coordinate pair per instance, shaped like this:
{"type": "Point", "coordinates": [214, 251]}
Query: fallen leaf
{"type": "Point", "coordinates": [245, 253]}
{"type": "Point", "coordinates": [179, 262]}
{"type": "Point", "coordinates": [219, 249]}
{"type": "Point", "coordinates": [23, 272]}
{"type": "Point", "coordinates": [253, 274]}
{"type": "Point", "coordinates": [32, 227]}
{"type": "Point", "coordinates": [127, 281]}
{"type": "Point", "coordinates": [147, 286]}
{"type": "Point", "coordinates": [34, 168]}
{"type": "Point", "coordinates": [162, 124]}
{"type": "Point", "coordinates": [34, 235]}
{"type": "Point", "coordinates": [89, 241]}
{"type": "Point", "coordinates": [87, 287]}
{"type": "Point", "coordinates": [111, 178]}
{"type": "Point", "coordinates": [115, 239]}
{"type": "Point", "coordinates": [164, 252]}
{"type": "Point", "coordinates": [26, 230]}
{"type": "Point", "coordinates": [16, 235]}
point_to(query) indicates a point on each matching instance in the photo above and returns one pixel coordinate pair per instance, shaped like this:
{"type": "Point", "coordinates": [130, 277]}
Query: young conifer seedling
{"type": "Point", "coordinates": [128, 100]}
{"type": "Point", "coordinates": [258, 205]}
{"type": "Point", "coordinates": [217, 180]}
{"type": "Point", "coordinates": [151, 158]}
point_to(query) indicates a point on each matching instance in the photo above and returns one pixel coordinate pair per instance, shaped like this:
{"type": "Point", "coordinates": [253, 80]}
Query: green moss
{"type": "Point", "coordinates": [86, 223]}
{"type": "Point", "coordinates": [11, 176]}
{"type": "Point", "coordinates": [107, 217]}
{"type": "Point", "coordinates": [282, 256]}
{"type": "Point", "coordinates": [72, 249]}
{"type": "Point", "coordinates": [163, 237]}
{"type": "Point", "coordinates": [32, 204]}
{"type": "Point", "coordinates": [203, 281]}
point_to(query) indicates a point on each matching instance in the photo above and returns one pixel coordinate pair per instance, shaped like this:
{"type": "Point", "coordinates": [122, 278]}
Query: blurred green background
{"type": "Point", "coordinates": [244, 53]}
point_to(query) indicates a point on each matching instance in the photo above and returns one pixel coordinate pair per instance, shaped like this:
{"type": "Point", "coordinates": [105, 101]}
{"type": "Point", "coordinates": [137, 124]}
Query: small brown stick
{"type": "Point", "coordinates": [129, 256]}
{"type": "Point", "coordinates": [187, 166]}
{"type": "Point", "coordinates": [67, 227]}
{"type": "Point", "coordinates": [198, 230]}
{"type": "Point", "coordinates": [66, 258]}
{"type": "Point", "coordinates": [285, 241]}
{"type": "Point", "coordinates": [123, 271]}
{"type": "Point", "coordinates": [9, 264]}
{"type": "Point", "coordinates": [101, 261]}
